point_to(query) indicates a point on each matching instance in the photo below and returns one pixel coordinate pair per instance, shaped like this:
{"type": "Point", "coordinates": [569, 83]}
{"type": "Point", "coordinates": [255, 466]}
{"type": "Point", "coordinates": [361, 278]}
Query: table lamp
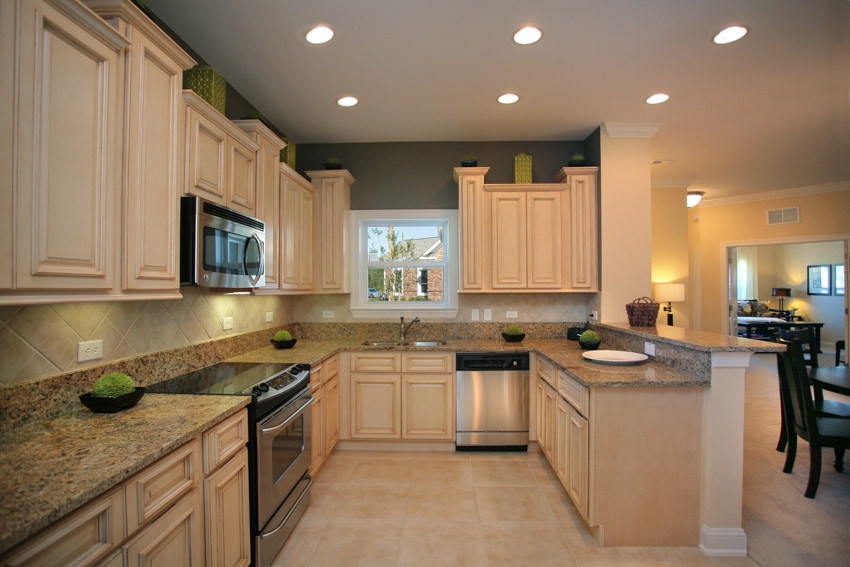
{"type": "Point", "coordinates": [669, 292]}
{"type": "Point", "coordinates": [782, 293]}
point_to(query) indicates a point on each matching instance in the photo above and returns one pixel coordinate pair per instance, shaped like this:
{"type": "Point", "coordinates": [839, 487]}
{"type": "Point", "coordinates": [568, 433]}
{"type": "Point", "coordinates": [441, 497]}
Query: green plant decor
{"type": "Point", "coordinates": [113, 385]}
{"type": "Point", "coordinates": [207, 84]}
{"type": "Point", "coordinates": [332, 163]}
{"type": "Point", "coordinates": [589, 336]}
{"type": "Point", "coordinates": [513, 330]}
{"type": "Point", "coordinates": [522, 168]}
{"type": "Point", "coordinates": [283, 335]}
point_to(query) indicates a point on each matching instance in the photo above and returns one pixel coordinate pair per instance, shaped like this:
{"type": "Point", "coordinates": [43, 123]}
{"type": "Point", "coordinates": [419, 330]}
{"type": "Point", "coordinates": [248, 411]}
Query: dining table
{"type": "Point", "coordinates": [832, 378]}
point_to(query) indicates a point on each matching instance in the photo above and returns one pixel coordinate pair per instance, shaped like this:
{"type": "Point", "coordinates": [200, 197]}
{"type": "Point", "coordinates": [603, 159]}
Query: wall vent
{"type": "Point", "coordinates": [783, 216]}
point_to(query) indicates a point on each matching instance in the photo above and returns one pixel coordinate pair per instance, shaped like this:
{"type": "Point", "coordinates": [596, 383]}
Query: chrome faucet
{"type": "Point", "coordinates": [403, 330]}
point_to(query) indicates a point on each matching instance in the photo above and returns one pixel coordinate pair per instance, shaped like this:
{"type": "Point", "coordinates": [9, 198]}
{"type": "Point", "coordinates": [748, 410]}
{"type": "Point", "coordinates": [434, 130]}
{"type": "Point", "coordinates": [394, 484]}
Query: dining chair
{"type": "Point", "coordinates": [803, 420]}
{"type": "Point", "coordinates": [839, 346]}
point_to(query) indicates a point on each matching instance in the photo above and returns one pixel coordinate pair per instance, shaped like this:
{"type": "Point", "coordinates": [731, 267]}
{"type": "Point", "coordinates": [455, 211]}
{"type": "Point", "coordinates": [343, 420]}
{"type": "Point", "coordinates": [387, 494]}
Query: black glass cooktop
{"type": "Point", "coordinates": [227, 378]}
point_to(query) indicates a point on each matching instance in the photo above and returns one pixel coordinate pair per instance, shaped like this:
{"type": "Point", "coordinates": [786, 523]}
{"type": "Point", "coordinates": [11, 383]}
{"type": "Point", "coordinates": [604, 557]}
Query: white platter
{"type": "Point", "coordinates": [614, 357]}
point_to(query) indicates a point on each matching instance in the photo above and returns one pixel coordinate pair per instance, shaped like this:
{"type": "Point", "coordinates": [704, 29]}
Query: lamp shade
{"type": "Point", "coordinates": [694, 197]}
{"type": "Point", "coordinates": [672, 292]}
{"type": "Point", "coordinates": [782, 292]}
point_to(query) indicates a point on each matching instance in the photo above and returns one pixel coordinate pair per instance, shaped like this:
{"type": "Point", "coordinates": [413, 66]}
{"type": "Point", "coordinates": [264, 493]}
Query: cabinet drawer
{"type": "Point", "coordinates": [317, 376]}
{"type": "Point", "coordinates": [225, 440]}
{"type": "Point", "coordinates": [375, 362]}
{"type": "Point", "coordinates": [577, 395]}
{"type": "Point", "coordinates": [422, 362]}
{"type": "Point", "coordinates": [546, 371]}
{"type": "Point", "coordinates": [83, 538]}
{"type": "Point", "coordinates": [331, 367]}
{"type": "Point", "coordinates": [176, 538]}
{"type": "Point", "coordinates": [153, 490]}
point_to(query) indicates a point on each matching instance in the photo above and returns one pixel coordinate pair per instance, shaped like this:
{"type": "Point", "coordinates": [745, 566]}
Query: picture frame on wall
{"type": "Point", "coordinates": [838, 283]}
{"type": "Point", "coordinates": [819, 279]}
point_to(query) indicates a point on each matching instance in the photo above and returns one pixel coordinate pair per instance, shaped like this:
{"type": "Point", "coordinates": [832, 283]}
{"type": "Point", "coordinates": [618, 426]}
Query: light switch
{"type": "Point", "coordinates": [510, 314]}
{"type": "Point", "coordinates": [488, 314]}
{"type": "Point", "coordinates": [649, 348]}
{"type": "Point", "coordinates": [227, 323]}
{"type": "Point", "coordinates": [328, 314]}
{"type": "Point", "coordinates": [474, 316]}
{"type": "Point", "coordinates": [269, 316]}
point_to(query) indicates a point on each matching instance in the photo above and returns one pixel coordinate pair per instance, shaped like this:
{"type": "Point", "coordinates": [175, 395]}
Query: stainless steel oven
{"type": "Point", "coordinates": [220, 247]}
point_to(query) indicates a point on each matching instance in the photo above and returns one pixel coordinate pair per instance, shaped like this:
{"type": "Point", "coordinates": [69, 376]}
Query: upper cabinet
{"type": "Point", "coordinates": [298, 200]}
{"type": "Point", "coordinates": [332, 237]}
{"type": "Point", "coordinates": [528, 237]}
{"type": "Point", "coordinates": [221, 159]}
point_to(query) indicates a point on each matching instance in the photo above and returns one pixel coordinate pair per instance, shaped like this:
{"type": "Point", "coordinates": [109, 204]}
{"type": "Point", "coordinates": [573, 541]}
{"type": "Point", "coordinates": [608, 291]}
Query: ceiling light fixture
{"type": "Point", "coordinates": [657, 98]}
{"type": "Point", "coordinates": [694, 197]}
{"type": "Point", "coordinates": [319, 35]}
{"type": "Point", "coordinates": [508, 98]}
{"type": "Point", "coordinates": [730, 34]}
{"type": "Point", "coordinates": [528, 35]}
{"type": "Point", "coordinates": [347, 101]}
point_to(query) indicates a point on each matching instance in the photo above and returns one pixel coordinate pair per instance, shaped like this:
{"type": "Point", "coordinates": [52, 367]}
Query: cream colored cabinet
{"type": "Point", "coordinates": [331, 414]}
{"type": "Point", "coordinates": [584, 227]}
{"type": "Point", "coordinates": [427, 406]}
{"type": "Point", "coordinates": [549, 403]}
{"type": "Point", "coordinates": [268, 193]}
{"type": "Point", "coordinates": [221, 159]}
{"type": "Point", "coordinates": [317, 431]}
{"type": "Point", "coordinates": [324, 417]}
{"type": "Point", "coordinates": [540, 424]}
{"type": "Point", "coordinates": [175, 538]}
{"type": "Point", "coordinates": [375, 406]}
{"type": "Point", "coordinates": [578, 461]}
{"type": "Point", "coordinates": [544, 210]}
{"type": "Point", "coordinates": [65, 113]}
{"type": "Point", "coordinates": [333, 204]}
{"type": "Point", "coordinates": [471, 226]}
{"type": "Point", "coordinates": [561, 443]}
{"type": "Point", "coordinates": [296, 230]}
{"type": "Point", "coordinates": [508, 235]}
{"type": "Point", "coordinates": [226, 509]}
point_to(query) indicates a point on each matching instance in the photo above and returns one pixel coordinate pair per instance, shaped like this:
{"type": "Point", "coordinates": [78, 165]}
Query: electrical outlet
{"type": "Point", "coordinates": [649, 348]}
{"type": "Point", "coordinates": [269, 316]}
{"type": "Point", "coordinates": [510, 314]}
{"type": "Point", "coordinates": [474, 316]}
{"type": "Point", "coordinates": [227, 323]}
{"type": "Point", "coordinates": [488, 314]}
{"type": "Point", "coordinates": [594, 316]}
{"type": "Point", "coordinates": [328, 314]}
{"type": "Point", "coordinates": [91, 350]}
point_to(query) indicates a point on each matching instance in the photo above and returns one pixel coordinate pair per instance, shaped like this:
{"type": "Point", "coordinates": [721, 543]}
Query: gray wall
{"type": "Point", "coordinates": [418, 175]}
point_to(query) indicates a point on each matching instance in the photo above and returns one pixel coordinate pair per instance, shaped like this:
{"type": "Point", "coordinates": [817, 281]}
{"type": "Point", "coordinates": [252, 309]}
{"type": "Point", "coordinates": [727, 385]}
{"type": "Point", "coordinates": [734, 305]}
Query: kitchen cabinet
{"type": "Point", "coordinates": [427, 406]}
{"type": "Point", "coordinates": [333, 204]}
{"type": "Point", "coordinates": [560, 461]}
{"type": "Point", "coordinates": [268, 193]}
{"type": "Point", "coordinates": [471, 226]}
{"type": "Point", "coordinates": [375, 406]}
{"type": "Point", "coordinates": [221, 159]}
{"type": "Point", "coordinates": [331, 414]}
{"type": "Point", "coordinates": [549, 401]}
{"type": "Point", "coordinates": [576, 460]}
{"type": "Point", "coordinates": [175, 538]}
{"type": "Point", "coordinates": [317, 431]}
{"type": "Point", "coordinates": [296, 247]}
{"type": "Point", "coordinates": [324, 417]}
{"type": "Point", "coordinates": [226, 508]}
{"type": "Point", "coordinates": [584, 226]}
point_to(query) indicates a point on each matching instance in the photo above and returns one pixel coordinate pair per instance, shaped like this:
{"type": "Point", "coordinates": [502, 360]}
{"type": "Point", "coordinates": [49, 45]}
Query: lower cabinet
{"type": "Point", "coordinates": [577, 460]}
{"type": "Point", "coordinates": [324, 415]}
{"type": "Point", "coordinates": [317, 431]}
{"type": "Point", "coordinates": [375, 406]}
{"type": "Point", "coordinates": [427, 404]}
{"type": "Point", "coordinates": [331, 415]}
{"type": "Point", "coordinates": [227, 524]}
{"type": "Point", "coordinates": [175, 538]}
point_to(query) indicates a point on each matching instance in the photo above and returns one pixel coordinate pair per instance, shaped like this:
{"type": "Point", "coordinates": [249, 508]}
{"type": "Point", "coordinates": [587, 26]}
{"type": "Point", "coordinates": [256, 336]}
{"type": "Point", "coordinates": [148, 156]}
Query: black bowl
{"type": "Point", "coordinates": [513, 338]}
{"type": "Point", "coordinates": [576, 162]}
{"type": "Point", "coordinates": [589, 345]}
{"type": "Point", "coordinates": [333, 165]}
{"type": "Point", "coordinates": [284, 344]}
{"type": "Point", "coordinates": [112, 405]}
{"type": "Point", "coordinates": [469, 162]}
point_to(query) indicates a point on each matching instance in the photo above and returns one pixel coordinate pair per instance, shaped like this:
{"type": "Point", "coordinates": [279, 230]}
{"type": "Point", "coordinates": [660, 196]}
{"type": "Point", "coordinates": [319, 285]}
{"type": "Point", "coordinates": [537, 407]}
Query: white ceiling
{"type": "Point", "coordinates": [769, 112]}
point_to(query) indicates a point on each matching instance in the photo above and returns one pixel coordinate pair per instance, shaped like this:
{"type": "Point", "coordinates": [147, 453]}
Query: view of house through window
{"type": "Point", "coordinates": [405, 262]}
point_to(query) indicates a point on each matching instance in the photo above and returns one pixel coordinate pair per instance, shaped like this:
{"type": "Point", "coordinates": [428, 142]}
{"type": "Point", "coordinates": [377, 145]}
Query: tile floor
{"type": "Point", "coordinates": [400, 508]}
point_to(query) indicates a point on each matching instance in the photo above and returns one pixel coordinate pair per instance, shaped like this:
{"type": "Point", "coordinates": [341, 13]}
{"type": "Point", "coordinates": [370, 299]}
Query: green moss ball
{"type": "Point", "coordinates": [282, 335]}
{"type": "Point", "coordinates": [513, 330]}
{"type": "Point", "coordinates": [113, 385]}
{"type": "Point", "coordinates": [589, 336]}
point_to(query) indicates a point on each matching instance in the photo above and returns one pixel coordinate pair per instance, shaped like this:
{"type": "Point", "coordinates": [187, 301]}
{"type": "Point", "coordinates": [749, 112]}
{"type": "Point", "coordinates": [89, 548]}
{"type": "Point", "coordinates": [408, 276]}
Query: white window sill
{"type": "Point", "coordinates": [439, 313]}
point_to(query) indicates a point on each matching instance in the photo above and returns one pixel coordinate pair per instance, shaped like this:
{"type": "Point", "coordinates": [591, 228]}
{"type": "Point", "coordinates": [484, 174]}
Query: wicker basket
{"type": "Point", "coordinates": [642, 312]}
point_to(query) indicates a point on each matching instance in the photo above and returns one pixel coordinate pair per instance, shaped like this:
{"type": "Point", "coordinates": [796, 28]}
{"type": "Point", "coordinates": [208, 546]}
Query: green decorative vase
{"type": "Point", "coordinates": [208, 85]}
{"type": "Point", "coordinates": [287, 154]}
{"type": "Point", "coordinates": [522, 168]}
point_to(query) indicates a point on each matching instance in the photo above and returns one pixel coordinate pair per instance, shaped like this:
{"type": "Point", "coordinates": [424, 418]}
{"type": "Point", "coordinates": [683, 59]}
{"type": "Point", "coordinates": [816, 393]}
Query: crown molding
{"type": "Point", "coordinates": [680, 183]}
{"type": "Point", "coordinates": [631, 129]}
{"type": "Point", "coordinates": [782, 193]}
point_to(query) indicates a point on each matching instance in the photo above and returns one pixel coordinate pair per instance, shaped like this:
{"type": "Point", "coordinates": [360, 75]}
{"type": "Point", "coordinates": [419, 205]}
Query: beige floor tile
{"type": "Point", "coordinates": [372, 501]}
{"type": "Point", "coordinates": [381, 471]}
{"type": "Point", "coordinates": [336, 471]}
{"type": "Point", "coordinates": [395, 455]}
{"type": "Point", "coordinates": [511, 503]}
{"type": "Point", "coordinates": [588, 554]}
{"type": "Point", "coordinates": [301, 542]}
{"type": "Point", "coordinates": [525, 543]}
{"type": "Point", "coordinates": [441, 543]}
{"type": "Point", "coordinates": [455, 503]}
{"type": "Point", "coordinates": [543, 474]}
{"type": "Point", "coordinates": [559, 502]}
{"type": "Point", "coordinates": [497, 456]}
{"type": "Point", "coordinates": [442, 472]}
{"type": "Point", "coordinates": [439, 456]}
{"type": "Point", "coordinates": [341, 454]}
{"type": "Point", "coordinates": [323, 499]}
{"type": "Point", "coordinates": [692, 557]}
{"type": "Point", "coordinates": [502, 473]}
{"type": "Point", "coordinates": [354, 543]}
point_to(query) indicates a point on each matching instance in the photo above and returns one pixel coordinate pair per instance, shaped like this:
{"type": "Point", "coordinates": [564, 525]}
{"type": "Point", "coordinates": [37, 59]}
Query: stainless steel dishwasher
{"type": "Point", "coordinates": [492, 401]}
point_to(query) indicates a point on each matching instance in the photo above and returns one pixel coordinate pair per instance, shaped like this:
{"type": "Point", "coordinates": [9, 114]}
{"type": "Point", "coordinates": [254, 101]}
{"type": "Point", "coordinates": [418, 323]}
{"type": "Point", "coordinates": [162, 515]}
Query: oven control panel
{"type": "Point", "coordinates": [281, 383]}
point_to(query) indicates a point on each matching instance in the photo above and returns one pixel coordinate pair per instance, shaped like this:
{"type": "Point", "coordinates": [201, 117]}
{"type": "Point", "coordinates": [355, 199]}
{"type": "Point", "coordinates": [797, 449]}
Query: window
{"type": "Point", "coordinates": [405, 261]}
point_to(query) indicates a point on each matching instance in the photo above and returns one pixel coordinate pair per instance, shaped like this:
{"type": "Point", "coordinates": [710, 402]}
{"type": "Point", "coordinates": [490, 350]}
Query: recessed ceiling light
{"type": "Point", "coordinates": [693, 198]}
{"type": "Point", "coordinates": [508, 98]}
{"type": "Point", "coordinates": [319, 34]}
{"type": "Point", "coordinates": [528, 35]}
{"type": "Point", "coordinates": [730, 34]}
{"type": "Point", "coordinates": [347, 101]}
{"type": "Point", "coordinates": [657, 98]}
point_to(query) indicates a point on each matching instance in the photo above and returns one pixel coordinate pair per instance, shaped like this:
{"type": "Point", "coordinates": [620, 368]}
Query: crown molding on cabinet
{"type": "Point", "coordinates": [631, 129]}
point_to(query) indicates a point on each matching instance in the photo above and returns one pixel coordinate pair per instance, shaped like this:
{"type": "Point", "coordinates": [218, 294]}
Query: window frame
{"type": "Point", "coordinates": [359, 221]}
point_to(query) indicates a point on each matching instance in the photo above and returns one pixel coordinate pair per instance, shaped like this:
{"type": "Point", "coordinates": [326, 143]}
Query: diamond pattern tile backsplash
{"type": "Point", "coordinates": [37, 341]}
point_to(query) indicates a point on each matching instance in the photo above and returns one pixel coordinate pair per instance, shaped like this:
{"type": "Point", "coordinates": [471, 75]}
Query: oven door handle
{"type": "Point", "coordinates": [291, 510]}
{"type": "Point", "coordinates": [284, 423]}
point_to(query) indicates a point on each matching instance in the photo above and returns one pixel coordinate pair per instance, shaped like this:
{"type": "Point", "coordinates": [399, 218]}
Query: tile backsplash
{"type": "Point", "coordinates": [37, 341]}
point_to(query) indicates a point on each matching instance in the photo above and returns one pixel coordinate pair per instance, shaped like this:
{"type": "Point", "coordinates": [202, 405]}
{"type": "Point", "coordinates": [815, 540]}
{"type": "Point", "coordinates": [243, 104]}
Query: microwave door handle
{"type": "Point", "coordinates": [279, 426]}
{"type": "Point", "coordinates": [262, 269]}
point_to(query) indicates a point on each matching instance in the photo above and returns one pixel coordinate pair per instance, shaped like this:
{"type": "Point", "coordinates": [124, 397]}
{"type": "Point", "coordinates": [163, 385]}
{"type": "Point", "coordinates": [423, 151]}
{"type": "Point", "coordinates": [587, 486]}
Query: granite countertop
{"type": "Point", "coordinates": [52, 467]}
{"type": "Point", "coordinates": [563, 353]}
{"type": "Point", "coordinates": [696, 340]}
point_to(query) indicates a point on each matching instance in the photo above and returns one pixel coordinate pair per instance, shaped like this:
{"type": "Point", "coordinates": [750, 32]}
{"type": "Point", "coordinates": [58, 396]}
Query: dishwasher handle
{"type": "Point", "coordinates": [483, 361]}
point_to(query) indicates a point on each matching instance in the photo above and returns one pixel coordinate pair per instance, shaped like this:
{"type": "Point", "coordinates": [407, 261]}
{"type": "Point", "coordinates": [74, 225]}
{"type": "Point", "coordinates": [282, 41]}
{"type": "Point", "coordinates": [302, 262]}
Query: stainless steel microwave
{"type": "Point", "coordinates": [220, 247]}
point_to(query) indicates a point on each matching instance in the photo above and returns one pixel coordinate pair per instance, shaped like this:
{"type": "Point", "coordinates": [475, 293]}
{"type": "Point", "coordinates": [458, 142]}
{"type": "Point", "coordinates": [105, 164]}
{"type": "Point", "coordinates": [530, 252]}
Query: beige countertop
{"type": "Point", "coordinates": [52, 467]}
{"type": "Point", "coordinates": [695, 340]}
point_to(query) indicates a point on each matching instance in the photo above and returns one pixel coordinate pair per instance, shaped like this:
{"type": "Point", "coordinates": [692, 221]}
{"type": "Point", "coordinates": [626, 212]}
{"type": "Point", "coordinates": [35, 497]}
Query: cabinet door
{"type": "Point", "coordinates": [331, 414]}
{"type": "Point", "coordinates": [241, 177]}
{"type": "Point", "coordinates": [579, 465]}
{"type": "Point", "coordinates": [206, 159]}
{"type": "Point", "coordinates": [175, 538]}
{"type": "Point", "coordinates": [305, 235]}
{"type": "Point", "coordinates": [562, 441]}
{"type": "Point", "coordinates": [549, 424]}
{"type": "Point", "coordinates": [317, 431]}
{"type": "Point", "coordinates": [584, 249]}
{"type": "Point", "coordinates": [334, 230]}
{"type": "Point", "coordinates": [376, 406]}
{"type": "Point", "coordinates": [427, 404]}
{"type": "Point", "coordinates": [508, 222]}
{"type": "Point", "coordinates": [289, 232]}
{"type": "Point", "coordinates": [545, 237]}
{"type": "Point", "coordinates": [152, 167]}
{"type": "Point", "coordinates": [541, 416]}
{"type": "Point", "coordinates": [471, 227]}
{"type": "Point", "coordinates": [268, 201]}
{"type": "Point", "coordinates": [226, 508]}
{"type": "Point", "coordinates": [68, 147]}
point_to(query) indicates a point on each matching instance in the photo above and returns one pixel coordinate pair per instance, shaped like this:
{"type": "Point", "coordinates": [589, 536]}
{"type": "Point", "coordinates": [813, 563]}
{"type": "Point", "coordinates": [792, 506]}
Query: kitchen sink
{"type": "Point", "coordinates": [404, 343]}
{"type": "Point", "coordinates": [426, 343]}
